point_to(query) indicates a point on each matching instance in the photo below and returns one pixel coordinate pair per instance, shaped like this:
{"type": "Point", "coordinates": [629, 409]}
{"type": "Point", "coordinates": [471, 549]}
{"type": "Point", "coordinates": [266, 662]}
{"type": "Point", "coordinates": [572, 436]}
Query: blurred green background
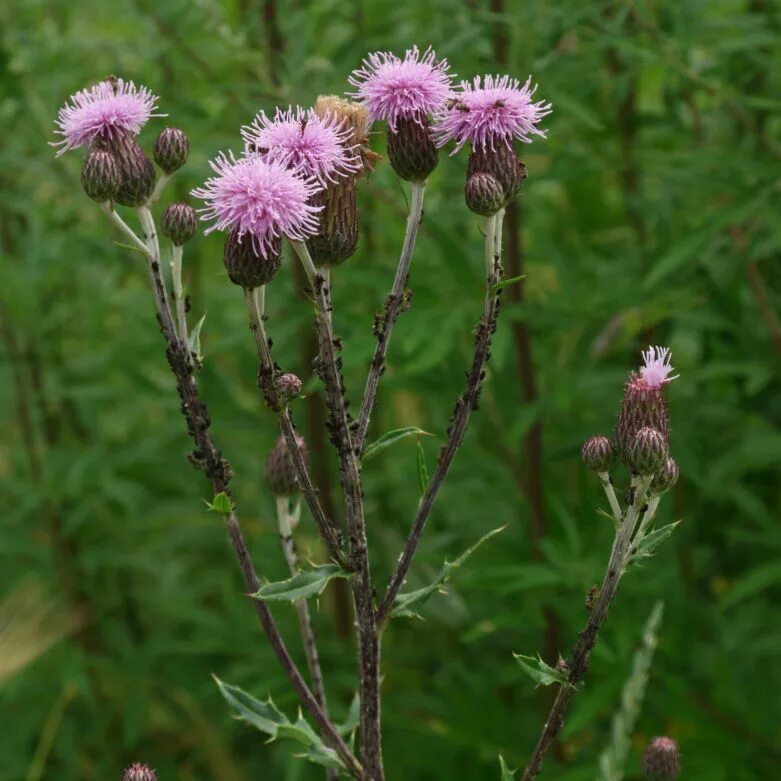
{"type": "Point", "coordinates": [650, 215]}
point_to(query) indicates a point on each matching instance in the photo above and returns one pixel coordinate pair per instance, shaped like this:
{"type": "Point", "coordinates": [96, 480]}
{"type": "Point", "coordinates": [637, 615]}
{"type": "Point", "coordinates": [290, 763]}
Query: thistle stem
{"type": "Point", "coordinates": [176, 276]}
{"type": "Point", "coordinates": [160, 184]}
{"type": "Point", "coordinates": [610, 493]}
{"type": "Point", "coordinates": [124, 228]}
{"type": "Point", "coordinates": [394, 306]}
{"type": "Point", "coordinates": [467, 402]}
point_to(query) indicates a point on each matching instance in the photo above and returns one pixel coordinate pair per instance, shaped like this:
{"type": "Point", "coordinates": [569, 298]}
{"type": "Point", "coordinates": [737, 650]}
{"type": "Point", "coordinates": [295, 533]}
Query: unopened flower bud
{"type": "Point", "coordinates": [280, 472]}
{"type": "Point", "coordinates": [647, 452]}
{"type": "Point", "coordinates": [666, 477]}
{"type": "Point", "coordinates": [483, 194]}
{"type": "Point", "coordinates": [598, 453]}
{"type": "Point", "coordinates": [100, 175]}
{"type": "Point", "coordinates": [503, 164]}
{"type": "Point", "coordinates": [179, 223]}
{"type": "Point", "coordinates": [139, 772]}
{"type": "Point", "coordinates": [662, 761]}
{"type": "Point", "coordinates": [245, 265]}
{"type": "Point", "coordinates": [288, 386]}
{"type": "Point", "coordinates": [136, 172]}
{"type": "Point", "coordinates": [411, 149]}
{"type": "Point", "coordinates": [171, 149]}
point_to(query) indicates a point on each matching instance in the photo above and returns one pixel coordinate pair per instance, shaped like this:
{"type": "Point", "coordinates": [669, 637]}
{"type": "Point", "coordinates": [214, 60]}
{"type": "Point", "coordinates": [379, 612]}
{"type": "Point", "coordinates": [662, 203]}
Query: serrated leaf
{"type": "Point", "coordinates": [390, 438]}
{"type": "Point", "coordinates": [507, 282]}
{"type": "Point", "coordinates": [404, 601]}
{"type": "Point", "coordinates": [540, 672]}
{"type": "Point", "coordinates": [304, 584]}
{"type": "Point", "coordinates": [651, 541]}
{"type": "Point", "coordinates": [220, 504]}
{"type": "Point", "coordinates": [507, 774]}
{"type": "Point", "coordinates": [195, 338]}
{"type": "Point", "coordinates": [422, 469]}
{"type": "Point", "coordinates": [266, 717]}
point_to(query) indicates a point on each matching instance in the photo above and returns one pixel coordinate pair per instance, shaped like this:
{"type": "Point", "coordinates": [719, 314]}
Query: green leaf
{"type": "Point", "coordinates": [131, 248]}
{"type": "Point", "coordinates": [350, 724]}
{"type": "Point", "coordinates": [266, 717]}
{"type": "Point", "coordinates": [422, 469]}
{"type": "Point", "coordinates": [507, 282]}
{"type": "Point", "coordinates": [221, 504]}
{"type": "Point", "coordinates": [651, 541]}
{"type": "Point", "coordinates": [195, 339]}
{"type": "Point", "coordinates": [507, 774]}
{"type": "Point", "coordinates": [404, 601]}
{"type": "Point", "coordinates": [543, 674]}
{"type": "Point", "coordinates": [304, 584]}
{"type": "Point", "coordinates": [390, 437]}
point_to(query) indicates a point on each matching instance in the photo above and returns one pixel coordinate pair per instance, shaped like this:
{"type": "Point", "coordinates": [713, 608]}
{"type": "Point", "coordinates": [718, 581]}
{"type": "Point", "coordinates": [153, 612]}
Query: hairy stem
{"type": "Point", "coordinates": [395, 304]}
{"type": "Point", "coordinates": [181, 310]}
{"type": "Point", "coordinates": [209, 459]}
{"type": "Point", "coordinates": [467, 402]}
{"type": "Point", "coordinates": [578, 663]}
{"type": "Point", "coordinates": [328, 367]}
{"type": "Point", "coordinates": [610, 493]}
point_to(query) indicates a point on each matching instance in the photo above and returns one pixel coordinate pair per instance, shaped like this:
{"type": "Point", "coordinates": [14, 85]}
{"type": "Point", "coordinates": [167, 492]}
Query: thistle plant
{"type": "Point", "coordinates": [296, 182]}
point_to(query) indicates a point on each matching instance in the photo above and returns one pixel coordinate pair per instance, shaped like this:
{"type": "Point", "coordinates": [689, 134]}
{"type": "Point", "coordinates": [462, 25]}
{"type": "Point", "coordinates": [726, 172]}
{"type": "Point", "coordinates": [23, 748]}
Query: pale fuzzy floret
{"type": "Point", "coordinates": [262, 198]}
{"type": "Point", "coordinates": [490, 110]}
{"type": "Point", "coordinates": [299, 138]}
{"type": "Point", "coordinates": [104, 112]}
{"type": "Point", "coordinates": [656, 369]}
{"type": "Point", "coordinates": [392, 88]}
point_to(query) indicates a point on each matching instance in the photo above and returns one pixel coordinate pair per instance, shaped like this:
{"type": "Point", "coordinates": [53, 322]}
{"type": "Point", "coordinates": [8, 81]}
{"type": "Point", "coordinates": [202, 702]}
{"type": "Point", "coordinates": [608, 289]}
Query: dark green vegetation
{"type": "Point", "coordinates": [650, 214]}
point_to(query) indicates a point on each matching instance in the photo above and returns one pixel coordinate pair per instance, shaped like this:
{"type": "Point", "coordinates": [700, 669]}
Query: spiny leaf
{"type": "Point", "coordinates": [507, 282]}
{"type": "Point", "coordinates": [304, 584]}
{"type": "Point", "coordinates": [507, 774]}
{"type": "Point", "coordinates": [220, 504]}
{"type": "Point", "coordinates": [651, 541]}
{"type": "Point", "coordinates": [390, 437]}
{"type": "Point", "coordinates": [540, 672]}
{"type": "Point", "coordinates": [403, 603]}
{"type": "Point", "coordinates": [422, 469]}
{"type": "Point", "coordinates": [195, 338]}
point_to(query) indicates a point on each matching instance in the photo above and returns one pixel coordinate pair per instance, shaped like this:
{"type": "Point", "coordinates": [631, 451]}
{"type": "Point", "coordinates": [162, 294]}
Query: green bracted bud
{"type": "Point", "coordinates": [647, 452]}
{"type": "Point", "coordinates": [179, 223]}
{"type": "Point", "coordinates": [280, 473]}
{"type": "Point", "coordinates": [136, 172]}
{"type": "Point", "coordinates": [411, 150]}
{"type": "Point", "coordinates": [662, 760]}
{"type": "Point", "coordinates": [666, 477]}
{"type": "Point", "coordinates": [503, 164]}
{"type": "Point", "coordinates": [245, 266]}
{"type": "Point", "coordinates": [598, 454]}
{"type": "Point", "coordinates": [171, 149]}
{"type": "Point", "coordinates": [100, 175]}
{"type": "Point", "coordinates": [483, 194]}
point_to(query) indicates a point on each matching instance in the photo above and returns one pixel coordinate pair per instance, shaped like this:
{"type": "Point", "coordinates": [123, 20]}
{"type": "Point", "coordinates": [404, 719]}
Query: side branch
{"type": "Point", "coordinates": [467, 402]}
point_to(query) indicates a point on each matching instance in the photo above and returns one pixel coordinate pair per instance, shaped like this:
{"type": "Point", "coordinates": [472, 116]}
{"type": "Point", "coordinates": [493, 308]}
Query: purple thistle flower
{"type": "Point", "coordinates": [488, 110]}
{"type": "Point", "coordinates": [260, 197]}
{"type": "Point", "coordinates": [394, 89]}
{"type": "Point", "coordinates": [656, 369]}
{"type": "Point", "coordinates": [316, 146]}
{"type": "Point", "coordinates": [105, 112]}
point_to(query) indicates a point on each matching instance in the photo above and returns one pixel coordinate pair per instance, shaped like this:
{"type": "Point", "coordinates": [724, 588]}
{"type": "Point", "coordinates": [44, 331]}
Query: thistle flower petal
{"type": "Point", "coordinates": [105, 112]}
{"type": "Point", "coordinates": [656, 367]}
{"type": "Point", "coordinates": [259, 197]}
{"type": "Point", "coordinates": [317, 146]}
{"type": "Point", "coordinates": [392, 88]}
{"type": "Point", "coordinates": [488, 111]}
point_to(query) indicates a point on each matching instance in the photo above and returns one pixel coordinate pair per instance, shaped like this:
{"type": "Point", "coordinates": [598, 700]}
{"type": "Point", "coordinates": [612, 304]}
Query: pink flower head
{"type": "Point", "coordinates": [394, 89]}
{"type": "Point", "coordinates": [491, 110]}
{"type": "Point", "coordinates": [656, 369]}
{"type": "Point", "coordinates": [105, 112]}
{"type": "Point", "coordinates": [316, 146]}
{"type": "Point", "coordinates": [260, 197]}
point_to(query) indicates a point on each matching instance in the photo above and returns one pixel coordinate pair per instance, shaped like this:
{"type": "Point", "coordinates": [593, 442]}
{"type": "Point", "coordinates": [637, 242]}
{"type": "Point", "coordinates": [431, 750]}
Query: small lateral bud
{"type": "Point", "coordinates": [100, 175]}
{"type": "Point", "coordinates": [179, 223]}
{"type": "Point", "coordinates": [483, 194]}
{"type": "Point", "coordinates": [171, 149]}
{"type": "Point", "coordinates": [280, 472]}
{"type": "Point", "coordinates": [666, 477]}
{"type": "Point", "coordinates": [245, 265]}
{"type": "Point", "coordinates": [598, 453]}
{"type": "Point", "coordinates": [288, 386]}
{"type": "Point", "coordinates": [647, 452]}
{"type": "Point", "coordinates": [139, 772]}
{"type": "Point", "coordinates": [662, 760]}
{"type": "Point", "coordinates": [503, 164]}
{"type": "Point", "coordinates": [136, 172]}
{"type": "Point", "coordinates": [411, 149]}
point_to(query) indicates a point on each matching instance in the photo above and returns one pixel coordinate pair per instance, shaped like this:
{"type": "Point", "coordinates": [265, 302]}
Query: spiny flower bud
{"type": "Point", "coordinates": [662, 761]}
{"type": "Point", "coordinates": [598, 453]}
{"type": "Point", "coordinates": [100, 175]}
{"type": "Point", "coordinates": [503, 164]}
{"type": "Point", "coordinates": [136, 172]}
{"type": "Point", "coordinates": [245, 265]}
{"type": "Point", "coordinates": [171, 149]}
{"type": "Point", "coordinates": [179, 223]}
{"type": "Point", "coordinates": [411, 149]}
{"type": "Point", "coordinates": [139, 772]}
{"type": "Point", "coordinates": [666, 477]}
{"type": "Point", "coordinates": [280, 473]}
{"type": "Point", "coordinates": [288, 386]}
{"type": "Point", "coordinates": [647, 452]}
{"type": "Point", "coordinates": [483, 194]}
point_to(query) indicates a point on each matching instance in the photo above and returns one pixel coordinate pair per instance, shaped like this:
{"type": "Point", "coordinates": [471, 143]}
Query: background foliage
{"type": "Point", "coordinates": [650, 214]}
